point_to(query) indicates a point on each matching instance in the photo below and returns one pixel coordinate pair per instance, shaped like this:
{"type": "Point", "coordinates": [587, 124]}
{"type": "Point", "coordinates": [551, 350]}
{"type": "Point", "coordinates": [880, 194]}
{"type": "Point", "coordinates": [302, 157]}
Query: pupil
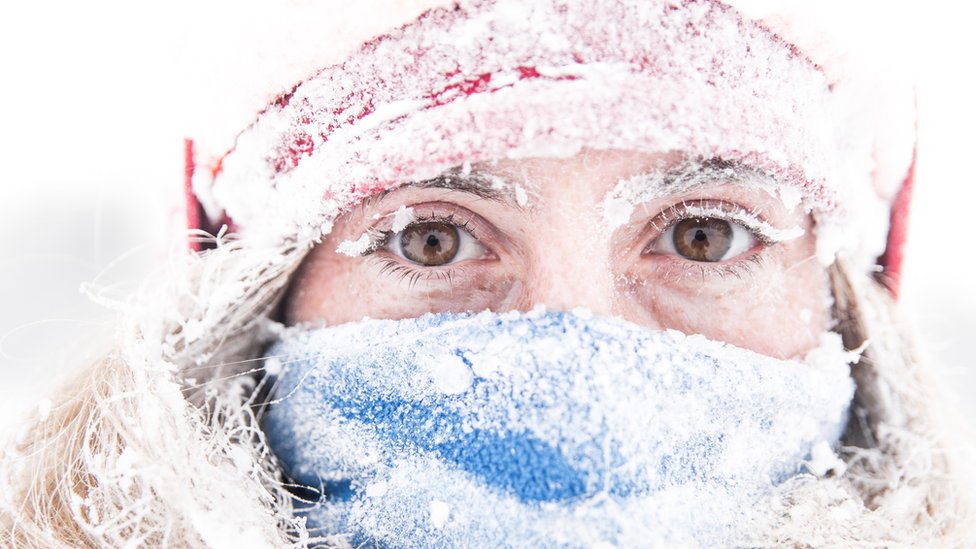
{"type": "Point", "coordinates": [700, 235]}
{"type": "Point", "coordinates": [432, 241]}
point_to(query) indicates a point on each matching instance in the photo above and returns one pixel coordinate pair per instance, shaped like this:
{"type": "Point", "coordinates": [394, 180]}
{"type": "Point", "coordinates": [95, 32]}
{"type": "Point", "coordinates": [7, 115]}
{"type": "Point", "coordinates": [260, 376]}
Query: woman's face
{"type": "Point", "coordinates": [718, 256]}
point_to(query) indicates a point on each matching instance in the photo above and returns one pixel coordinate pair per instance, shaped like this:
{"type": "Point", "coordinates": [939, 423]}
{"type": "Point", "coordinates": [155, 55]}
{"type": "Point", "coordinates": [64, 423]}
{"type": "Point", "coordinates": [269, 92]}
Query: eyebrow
{"type": "Point", "coordinates": [483, 185]}
{"type": "Point", "coordinates": [695, 173]}
{"type": "Point", "coordinates": [692, 170]}
{"type": "Point", "coordinates": [686, 175]}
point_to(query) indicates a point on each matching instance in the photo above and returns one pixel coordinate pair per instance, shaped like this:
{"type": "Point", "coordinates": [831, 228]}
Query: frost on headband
{"type": "Point", "coordinates": [506, 79]}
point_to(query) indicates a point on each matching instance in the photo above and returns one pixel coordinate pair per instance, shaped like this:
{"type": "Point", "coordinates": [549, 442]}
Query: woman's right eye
{"type": "Point", "coordinates": [434, 243]}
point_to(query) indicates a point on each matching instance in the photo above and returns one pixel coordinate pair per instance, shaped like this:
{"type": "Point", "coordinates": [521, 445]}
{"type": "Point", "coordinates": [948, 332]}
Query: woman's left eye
{"type": "Point", "coordinates": [434, 243]}
{"type": "Point", "coordinates": [705, 239]}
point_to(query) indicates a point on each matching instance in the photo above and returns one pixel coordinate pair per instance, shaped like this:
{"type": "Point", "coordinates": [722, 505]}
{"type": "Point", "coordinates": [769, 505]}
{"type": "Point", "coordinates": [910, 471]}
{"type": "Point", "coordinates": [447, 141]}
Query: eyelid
{"type": "Point", "coordinates": [728, 211]}
{"type": "Point", "coordinates": [466, 241]}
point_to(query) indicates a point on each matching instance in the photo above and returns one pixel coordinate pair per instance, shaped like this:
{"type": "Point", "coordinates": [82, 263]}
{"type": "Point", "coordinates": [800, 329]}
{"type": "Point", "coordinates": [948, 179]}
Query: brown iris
{"type": "Point", "coordinates": [702, 239]}
{"type": "Point", "coordinates": [430, 244]}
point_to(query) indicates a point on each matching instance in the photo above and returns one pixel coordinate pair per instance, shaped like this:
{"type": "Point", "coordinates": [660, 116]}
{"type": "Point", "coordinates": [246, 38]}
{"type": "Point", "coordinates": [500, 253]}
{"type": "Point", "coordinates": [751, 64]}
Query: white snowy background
{"type": "Point", "coordinates": [91, 176]}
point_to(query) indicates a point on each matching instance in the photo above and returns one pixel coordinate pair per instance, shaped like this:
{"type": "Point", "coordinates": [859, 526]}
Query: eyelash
{"type": "Point", "coordinates": [737, 267]}
{"type": "Point", "coordinates": [726, 211]}
{"type": "Point", "coordinates": [675, 269]}
{"type": "Point", "coordinates": [378, 239]}
{"type": "Point", "coordinates": [402, 271]}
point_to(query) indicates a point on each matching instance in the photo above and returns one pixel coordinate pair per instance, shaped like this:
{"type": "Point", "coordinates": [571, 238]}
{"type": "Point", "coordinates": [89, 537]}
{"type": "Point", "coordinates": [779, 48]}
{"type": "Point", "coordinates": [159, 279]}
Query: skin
{"type": "Point", "coordinates": [557, 249]}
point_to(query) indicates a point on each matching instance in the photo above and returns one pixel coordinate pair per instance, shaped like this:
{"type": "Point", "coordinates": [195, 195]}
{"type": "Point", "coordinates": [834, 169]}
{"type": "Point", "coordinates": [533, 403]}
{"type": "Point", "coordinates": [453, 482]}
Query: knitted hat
{"type": "Point", "coordinates": [486, 79]}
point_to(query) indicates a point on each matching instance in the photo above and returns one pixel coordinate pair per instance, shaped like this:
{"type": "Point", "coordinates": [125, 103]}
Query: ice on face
{"type": "Point", "coordinates": [521, 197]}
{"type": "Point", "coordinates": [354, 248]}
{"type": "Point", "coordinates": [401, 218]}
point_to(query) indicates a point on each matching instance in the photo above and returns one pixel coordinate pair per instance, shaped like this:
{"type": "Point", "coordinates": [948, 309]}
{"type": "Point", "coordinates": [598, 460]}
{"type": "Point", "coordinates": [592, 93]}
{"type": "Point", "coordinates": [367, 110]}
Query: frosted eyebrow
{"type": "Point", "coordinates": [695, 173]}
{"type": "Point", "coordinates": [482, 185]}
{"type": "Point", "coordinates": [702, 172]}
{"type": "Point", "coordinates": [471, 181]}
{"type": "Point", "coordinates": [619, 203]}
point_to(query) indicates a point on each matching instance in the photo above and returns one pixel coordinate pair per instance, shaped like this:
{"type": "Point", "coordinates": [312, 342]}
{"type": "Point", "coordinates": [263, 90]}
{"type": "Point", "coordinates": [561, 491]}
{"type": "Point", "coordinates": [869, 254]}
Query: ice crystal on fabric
{"type": "Point", "coordinates": [547, 428]}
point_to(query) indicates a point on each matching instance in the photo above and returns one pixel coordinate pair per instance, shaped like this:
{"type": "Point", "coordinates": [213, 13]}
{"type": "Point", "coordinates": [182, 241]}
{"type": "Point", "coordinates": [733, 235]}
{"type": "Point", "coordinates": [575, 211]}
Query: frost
{"type": "Point", "coordinates": [752, 222]}
{"type": "Point", "coordinates": [385, 113]}
{"type": "Point", "coordinates": [823, 459]}
{"type": "Point", "coordinates": [272, 366]}
{"type": "Point", "coordinates": [497, 183]}
{"type": "Point", "coordinates": [618, 205]}
{"type": "Point", "coordinates": [521, 197]}
{"type": "Point", "coordinates": [582, 312]}
{"type": "Point", "coordinates": [450, 374]}
{"type": "Point", "coordinates": [403, 217]}
{"type": "Point", "coordinates": [43, 409]}
{"type": "Point", "coordinates": [439, 511]}
{"type": "Point", "coordinates": [806, 315]}
{"type": "Point", "coordinates": [355, 248]}
{"type": "Point", "coordinates": [326, 227]}
{"type": "Point", "coordinates": [617, 211]}
{"type": "Point", "coordinates": [126, 467]}
{"type": "Point", "coordinates": [791, 196]}
{"type": "Point", "coordinates": [563, 427]}
{"type": "Point", "coordinates": [830, 240]}
{"type": "Point", "coordinates": [376, 490]}
{"type": "Point", "coordinates": [127, 460]}
{"type": "Point", "coordinates": [512, 89]}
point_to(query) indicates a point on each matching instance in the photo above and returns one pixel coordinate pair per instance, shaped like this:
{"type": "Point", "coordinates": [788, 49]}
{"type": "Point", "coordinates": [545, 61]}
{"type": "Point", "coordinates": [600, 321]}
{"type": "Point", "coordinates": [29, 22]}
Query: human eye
{"type": "Point", "coordinates": [708, 239]}
{"type": "Point", "coordinates": [434, 242]}
{"type": "Point", "coordinates": [429, 241]}
{"type": "Point", "coordinates": [710, 232]}
{"type": "Point", "coordinates": [415, 254]}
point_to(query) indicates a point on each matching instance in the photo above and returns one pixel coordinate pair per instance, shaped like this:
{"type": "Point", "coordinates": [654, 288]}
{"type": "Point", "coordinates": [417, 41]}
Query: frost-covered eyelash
{"type": "Point", "coordinates": [402, 271]}
{"type": "Point", "coordinates": [728, 212]}
{"type": "Point", "coordinates": [379, 238]}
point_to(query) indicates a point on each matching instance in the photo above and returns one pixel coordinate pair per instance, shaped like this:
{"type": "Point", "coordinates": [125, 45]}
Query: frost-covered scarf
{"type": "Point", "coordinates": [544, 429]}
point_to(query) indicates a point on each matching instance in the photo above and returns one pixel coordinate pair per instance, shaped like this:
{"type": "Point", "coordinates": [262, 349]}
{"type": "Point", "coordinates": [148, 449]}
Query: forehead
{"type": "Point", "coordinates": [650, 174]}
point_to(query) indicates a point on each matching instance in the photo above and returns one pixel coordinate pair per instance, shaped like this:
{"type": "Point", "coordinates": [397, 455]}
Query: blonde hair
{"type": "Point", "coordinates": [159, 444]}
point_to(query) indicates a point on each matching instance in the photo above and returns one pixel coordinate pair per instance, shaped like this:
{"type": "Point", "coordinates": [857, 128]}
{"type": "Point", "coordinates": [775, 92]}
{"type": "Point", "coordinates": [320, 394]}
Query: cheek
{"type": "Point", "coordinates": [325, 289]}
{"type": "Point", "coordinates": [779, 308]}
{"type": "Point", "coordinates": [335, 289]}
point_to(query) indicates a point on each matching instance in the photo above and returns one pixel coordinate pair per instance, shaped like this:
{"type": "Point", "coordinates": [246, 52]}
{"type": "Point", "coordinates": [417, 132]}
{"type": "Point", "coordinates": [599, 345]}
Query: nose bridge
{"type": "Point", "coordinates": [569, 241]}
{"type": "Point", "coordinates": [569, 289]}
{"type": "Point", "coordinates": [572, 270]}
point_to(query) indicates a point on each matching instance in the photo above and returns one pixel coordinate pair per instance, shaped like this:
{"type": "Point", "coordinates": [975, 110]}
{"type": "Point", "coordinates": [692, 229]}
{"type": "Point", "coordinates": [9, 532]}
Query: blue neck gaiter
{"type": "Point", "coordinates": [542, 429]}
